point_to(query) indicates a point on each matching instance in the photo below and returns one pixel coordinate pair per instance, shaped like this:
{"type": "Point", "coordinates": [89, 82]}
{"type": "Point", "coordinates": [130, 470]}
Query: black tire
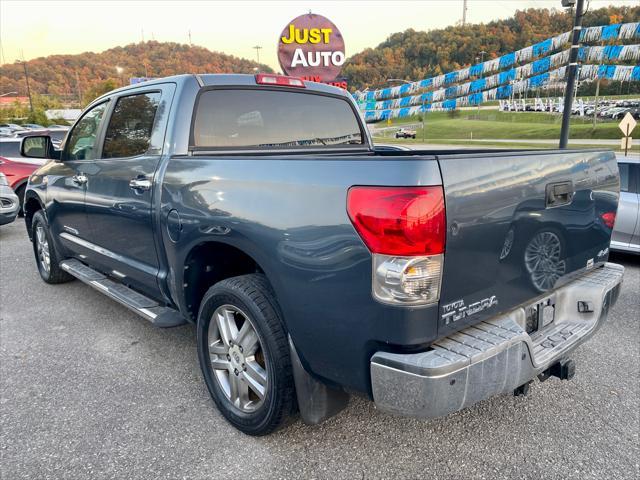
{"type": "Point", "coordinates": [20, 191]}
{"type": "Point", "coordinates": [54, 274]}
{"type": "Point", "coordinates": [253, 296]}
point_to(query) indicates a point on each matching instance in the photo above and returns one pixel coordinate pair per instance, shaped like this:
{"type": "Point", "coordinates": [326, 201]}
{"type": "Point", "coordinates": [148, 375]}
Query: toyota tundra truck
{"type": "Point", "coordinates": [314, 266]}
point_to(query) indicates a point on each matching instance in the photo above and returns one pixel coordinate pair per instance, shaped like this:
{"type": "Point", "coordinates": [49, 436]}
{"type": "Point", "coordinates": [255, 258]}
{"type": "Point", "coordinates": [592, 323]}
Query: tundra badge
{"type": "Point", "coordinates": [454, 311]}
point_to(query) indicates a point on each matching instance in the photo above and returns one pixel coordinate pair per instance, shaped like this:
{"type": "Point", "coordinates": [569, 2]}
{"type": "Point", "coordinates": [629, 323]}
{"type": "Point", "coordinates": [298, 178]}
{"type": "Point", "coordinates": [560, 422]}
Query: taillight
{"type": "Point", "coordinates": [399, 220]}
{"type": "Point", "coordinates": [281, 80]}
{"type": "Point", "coordinates": [609, 219]}
{"type": "Point", "coordinates": [405, 229]}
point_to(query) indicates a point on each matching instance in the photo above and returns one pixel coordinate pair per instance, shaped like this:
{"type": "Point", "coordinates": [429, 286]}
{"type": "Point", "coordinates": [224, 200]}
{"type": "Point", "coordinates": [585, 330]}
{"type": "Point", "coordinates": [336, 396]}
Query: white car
{"type": "Point", "coordinates": [626, 230]}
{"type": "Point", "coordinates": [9, 203]}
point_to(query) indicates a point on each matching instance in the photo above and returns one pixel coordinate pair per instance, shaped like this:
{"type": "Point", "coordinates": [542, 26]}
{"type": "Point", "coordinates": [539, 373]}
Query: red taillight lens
{"type": "Point", "coordinates": [281, 80]}
{"type": "Point", "coordinates": [399, 220]}
{"type": "Point", "coordinates": [609, 219]}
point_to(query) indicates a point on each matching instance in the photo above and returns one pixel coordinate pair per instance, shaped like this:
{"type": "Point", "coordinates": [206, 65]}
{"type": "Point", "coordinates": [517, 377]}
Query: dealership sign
{"type": "Point", "coordinates": [312, 47]}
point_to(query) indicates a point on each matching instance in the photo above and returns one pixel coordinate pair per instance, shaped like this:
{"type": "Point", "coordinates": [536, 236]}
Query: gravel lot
{"type": "Point", "coordinates": [90, 390]}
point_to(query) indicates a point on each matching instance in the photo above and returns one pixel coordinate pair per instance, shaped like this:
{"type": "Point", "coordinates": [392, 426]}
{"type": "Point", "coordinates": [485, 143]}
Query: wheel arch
{"type": "Point", "coordinates": [32, 204]}
{"type": "Point", "coordinates": [209, 262]}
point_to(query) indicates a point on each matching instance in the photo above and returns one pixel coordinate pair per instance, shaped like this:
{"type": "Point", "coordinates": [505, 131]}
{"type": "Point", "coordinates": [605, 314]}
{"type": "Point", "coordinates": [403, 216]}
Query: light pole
{"type": "Point", "coordinates": [421, 108]}
{"type": "Point", "coordinates": [572, 68]}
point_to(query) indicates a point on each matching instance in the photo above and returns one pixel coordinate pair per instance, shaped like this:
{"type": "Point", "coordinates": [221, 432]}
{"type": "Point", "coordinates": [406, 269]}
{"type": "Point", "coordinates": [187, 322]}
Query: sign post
{"type": "Point", "coordinates": [627, 125]}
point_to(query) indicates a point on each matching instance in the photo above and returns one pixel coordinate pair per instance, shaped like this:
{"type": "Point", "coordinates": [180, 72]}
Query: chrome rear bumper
{"type": "Point", "coordinates": [494, 356]}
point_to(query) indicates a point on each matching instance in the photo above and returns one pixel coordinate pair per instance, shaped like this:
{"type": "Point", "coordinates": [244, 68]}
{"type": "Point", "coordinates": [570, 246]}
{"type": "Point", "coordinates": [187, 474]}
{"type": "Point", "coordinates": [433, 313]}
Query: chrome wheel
{"type": "Point", "coordinates": [543, 259]}
{"type": "Point", "coordinates": [237, 358]}
{"type": "Point", "coordinates": [42, 247]}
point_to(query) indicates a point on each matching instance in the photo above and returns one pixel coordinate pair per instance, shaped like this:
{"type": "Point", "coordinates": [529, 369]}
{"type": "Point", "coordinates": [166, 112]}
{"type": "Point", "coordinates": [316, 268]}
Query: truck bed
{"type": "Point", "coordinates": [288, 212]}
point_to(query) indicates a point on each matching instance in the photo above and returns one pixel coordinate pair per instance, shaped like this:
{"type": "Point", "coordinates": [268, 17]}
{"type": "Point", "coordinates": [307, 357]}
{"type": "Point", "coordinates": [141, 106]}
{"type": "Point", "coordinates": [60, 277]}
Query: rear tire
{"type": "Point", "coordinates": [244, 355]}
{"type": "Point", "coordinates": [46, 256]}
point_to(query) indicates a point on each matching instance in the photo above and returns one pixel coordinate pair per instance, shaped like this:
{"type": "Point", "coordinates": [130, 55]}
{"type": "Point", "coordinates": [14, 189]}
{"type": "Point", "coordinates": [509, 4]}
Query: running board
{"type": "Point", "coordinates": [144, 306]}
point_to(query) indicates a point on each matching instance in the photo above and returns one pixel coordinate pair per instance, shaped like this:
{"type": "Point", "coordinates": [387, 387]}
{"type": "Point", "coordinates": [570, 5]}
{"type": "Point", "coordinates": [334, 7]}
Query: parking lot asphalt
{"type": "Point", "coordinates": [90, 390]}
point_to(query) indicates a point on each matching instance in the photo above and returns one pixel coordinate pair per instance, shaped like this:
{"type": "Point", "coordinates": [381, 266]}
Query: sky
{"type": "Point", "coordinates": [39, 28]}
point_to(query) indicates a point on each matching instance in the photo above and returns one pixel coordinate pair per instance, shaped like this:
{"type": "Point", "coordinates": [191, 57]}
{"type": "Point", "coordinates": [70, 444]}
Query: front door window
{"type": "Point", "coordinates": [82, 140]}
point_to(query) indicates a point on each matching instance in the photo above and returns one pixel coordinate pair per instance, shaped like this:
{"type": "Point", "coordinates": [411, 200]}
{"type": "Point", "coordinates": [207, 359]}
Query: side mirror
{"type": "Point", "coordinates": [38, 146]}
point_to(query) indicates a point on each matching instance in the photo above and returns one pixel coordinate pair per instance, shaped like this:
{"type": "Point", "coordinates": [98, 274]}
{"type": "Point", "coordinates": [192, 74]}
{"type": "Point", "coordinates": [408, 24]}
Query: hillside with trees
{"type": "Point", "coordinates": [416, 55]}
{"type": "Point", "coordinates": [88, 74]}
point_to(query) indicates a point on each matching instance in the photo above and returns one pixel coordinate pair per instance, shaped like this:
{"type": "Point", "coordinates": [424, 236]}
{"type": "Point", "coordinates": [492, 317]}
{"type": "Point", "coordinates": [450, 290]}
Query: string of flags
{"type": "Point", "coordinates": [586, 72]}
{"type": "Point", "coordinates": [624, 31]}
{"type": "Point", "coordinates": [590, 54]}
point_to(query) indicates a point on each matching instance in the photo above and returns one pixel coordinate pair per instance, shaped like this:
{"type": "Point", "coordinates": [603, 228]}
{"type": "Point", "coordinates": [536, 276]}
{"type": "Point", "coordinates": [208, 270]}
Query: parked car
{"type": "Point", "coordinates": [619, 115]}
{"type": "Point", "coordinates": [58, 127]}
{"type": "Point", "coordinates": [626, 232]}
{"type": "Point", "coordinates": [17, 172]}
{"type": "Point", "coordinates": [12, 126]}
{"type": "Point", "coordinates": [57, 135]}
{"type": "Point", "coordinates": [405, 133]}
{"type": "Point", "coordinates": [314, 266]}
{"type": "Point", "coordinates": [33, 126]}
{"type": "Point", "coordinates": [9, 203]}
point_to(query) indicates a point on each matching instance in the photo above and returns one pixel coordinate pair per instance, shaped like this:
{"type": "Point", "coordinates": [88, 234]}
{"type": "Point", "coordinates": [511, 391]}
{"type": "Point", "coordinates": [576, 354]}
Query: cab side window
{"type": "Point", "coordinates": [131, 126]}
{"type": "Point", "coordinates": [82, 139]}
{"type": "Point", "coordinates": [623, 168]}
{"type": "Point", "coordinates": [634, 177]}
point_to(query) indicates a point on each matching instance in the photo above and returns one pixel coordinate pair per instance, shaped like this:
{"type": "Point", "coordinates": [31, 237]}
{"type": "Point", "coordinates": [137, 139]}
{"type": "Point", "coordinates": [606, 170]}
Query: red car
{"type": "Point", "coordinates": [17, 172]}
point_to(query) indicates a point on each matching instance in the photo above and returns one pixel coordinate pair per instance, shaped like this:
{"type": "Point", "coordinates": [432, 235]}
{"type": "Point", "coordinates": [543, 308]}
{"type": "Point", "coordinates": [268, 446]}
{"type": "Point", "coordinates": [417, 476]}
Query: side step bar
{"type": "Point", "coordinates": [144, 306]}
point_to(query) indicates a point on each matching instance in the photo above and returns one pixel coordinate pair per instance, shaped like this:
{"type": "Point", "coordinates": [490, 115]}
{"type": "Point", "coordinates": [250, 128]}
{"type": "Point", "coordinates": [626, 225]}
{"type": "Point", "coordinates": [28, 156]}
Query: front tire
{"type": "Point", "coordinates": [20, 191]}
{"type": "Point", "coordinates": [46, 256]}
{"type": "Point", "coordinates": [244, 354]}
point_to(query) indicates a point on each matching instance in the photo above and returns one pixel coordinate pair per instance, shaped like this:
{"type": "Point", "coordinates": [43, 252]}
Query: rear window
{"type": "Point", "coordinates": [273, 119]}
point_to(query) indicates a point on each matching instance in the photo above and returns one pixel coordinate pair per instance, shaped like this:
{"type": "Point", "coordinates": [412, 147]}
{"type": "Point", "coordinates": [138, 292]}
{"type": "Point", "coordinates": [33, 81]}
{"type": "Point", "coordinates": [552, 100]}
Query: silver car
{"type": "Point", "coordinates": [9, 203]}
{"type": "Point", "coordinates": [626, 231]}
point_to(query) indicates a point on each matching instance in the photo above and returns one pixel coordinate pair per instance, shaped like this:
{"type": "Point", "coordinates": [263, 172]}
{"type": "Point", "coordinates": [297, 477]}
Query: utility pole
{"type": "Point", "coordinates": [78, 88]}
{"type": "Point", "coordinates": [26, 76]}
{"type": "Point", "coordinates": [190, 44]}
{"type": "Point", "coordinates": [572, 69]}
{"type": "Point", "coordinates": [257, 49]}
{"type": "Point", "coordinates": [464, 12]}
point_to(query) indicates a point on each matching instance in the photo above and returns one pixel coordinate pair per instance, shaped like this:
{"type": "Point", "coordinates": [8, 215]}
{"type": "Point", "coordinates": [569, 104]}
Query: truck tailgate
{"type": "Point", "coordinates": [520, 225]}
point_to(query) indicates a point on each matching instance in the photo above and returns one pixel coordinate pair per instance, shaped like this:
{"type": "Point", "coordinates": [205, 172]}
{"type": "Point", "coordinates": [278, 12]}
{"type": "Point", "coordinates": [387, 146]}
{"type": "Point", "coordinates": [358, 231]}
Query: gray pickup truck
{"type": "Point", "coordinates": [315, 266]}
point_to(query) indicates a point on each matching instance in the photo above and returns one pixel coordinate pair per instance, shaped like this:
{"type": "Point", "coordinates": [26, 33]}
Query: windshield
{"type": "Point", "coordinates": [254, 118]}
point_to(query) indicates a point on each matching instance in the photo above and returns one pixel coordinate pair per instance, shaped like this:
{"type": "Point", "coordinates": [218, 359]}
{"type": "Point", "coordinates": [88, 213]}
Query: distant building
{"type": "Point", "coordinates": [68, 114]}
{"type": "Point", "coordinates": [10, 101]}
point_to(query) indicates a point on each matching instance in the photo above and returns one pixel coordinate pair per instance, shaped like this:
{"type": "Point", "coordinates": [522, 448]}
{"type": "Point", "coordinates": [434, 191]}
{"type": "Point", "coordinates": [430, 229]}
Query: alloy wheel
{"type": "Point", "coordinates": [42, 247]}
{"type": "Point", "coordinates": [237, 358]}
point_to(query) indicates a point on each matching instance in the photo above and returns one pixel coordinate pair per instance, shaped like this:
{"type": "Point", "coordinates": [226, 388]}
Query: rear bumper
{"type": "Point", "coordinates": [494, 356]}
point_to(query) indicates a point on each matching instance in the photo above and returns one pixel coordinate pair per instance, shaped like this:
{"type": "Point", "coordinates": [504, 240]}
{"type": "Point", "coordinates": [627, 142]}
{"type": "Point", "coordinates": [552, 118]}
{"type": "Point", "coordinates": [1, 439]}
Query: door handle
{"type": "Point", "coordinates": [558, 194]}
{"type": "Point", "coordinates": [79, 179]}
{"type": "Point", "coordinates": [140, 184]}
